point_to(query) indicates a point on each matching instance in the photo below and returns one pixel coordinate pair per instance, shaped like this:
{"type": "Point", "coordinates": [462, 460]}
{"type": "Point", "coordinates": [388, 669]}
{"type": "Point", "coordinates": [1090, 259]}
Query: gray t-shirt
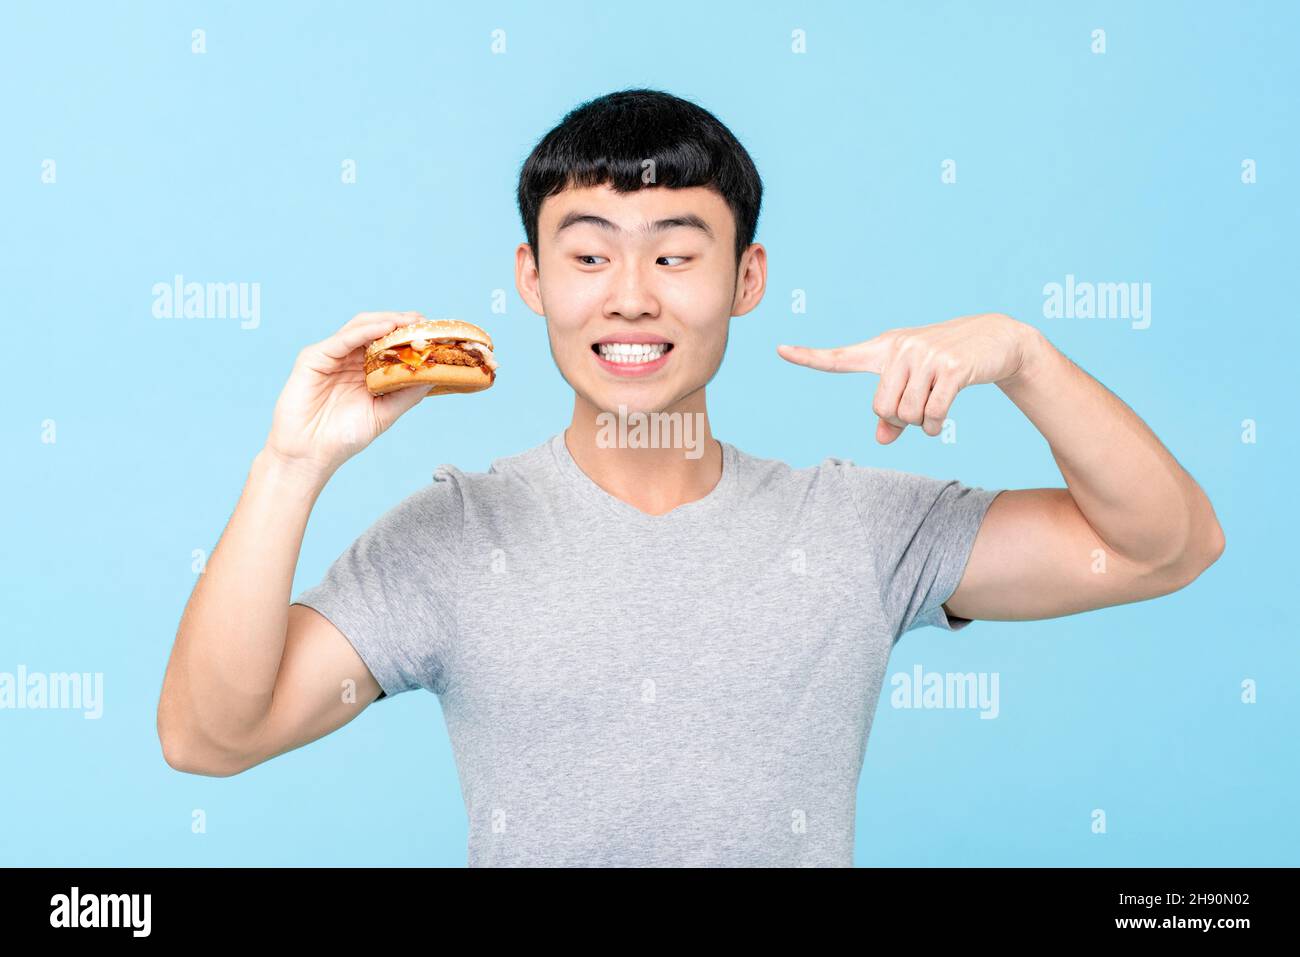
{"type": "Point", "coordinates": [622, 689]}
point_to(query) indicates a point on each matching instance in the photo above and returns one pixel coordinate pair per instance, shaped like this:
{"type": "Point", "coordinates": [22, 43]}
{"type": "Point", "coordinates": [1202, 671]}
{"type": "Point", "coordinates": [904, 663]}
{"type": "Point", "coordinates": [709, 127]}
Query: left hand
{"type": "Point", "coordinates": [924, 367]}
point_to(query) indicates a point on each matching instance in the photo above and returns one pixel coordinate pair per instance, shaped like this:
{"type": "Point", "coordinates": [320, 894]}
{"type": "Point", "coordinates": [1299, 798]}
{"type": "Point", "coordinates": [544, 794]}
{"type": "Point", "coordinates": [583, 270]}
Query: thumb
{"type": "Point", "coordinates": [392, 405]}
{"type": "Point", "coordinates": [886, 432]}
{"type": "Point", "coordinates": [861, 357]}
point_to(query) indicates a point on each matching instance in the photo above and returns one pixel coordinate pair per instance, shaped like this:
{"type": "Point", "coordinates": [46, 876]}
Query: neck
{"type": "Point", "coordinates": [653, 462]}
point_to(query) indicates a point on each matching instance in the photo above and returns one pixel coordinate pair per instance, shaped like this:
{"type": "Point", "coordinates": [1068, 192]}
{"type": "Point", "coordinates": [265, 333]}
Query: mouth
{"type": "Point", "coordinates": [632, 358]}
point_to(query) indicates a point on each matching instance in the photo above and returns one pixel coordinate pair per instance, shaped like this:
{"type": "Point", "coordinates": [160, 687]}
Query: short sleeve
{"type": "Point", "coordinates": [392, 593]}
{"type": "Point", "coordinates": [920, 533]}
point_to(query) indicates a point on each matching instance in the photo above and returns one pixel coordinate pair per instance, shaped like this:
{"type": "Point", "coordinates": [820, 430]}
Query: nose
{"type": "Point", "coordinates": [631, 295]}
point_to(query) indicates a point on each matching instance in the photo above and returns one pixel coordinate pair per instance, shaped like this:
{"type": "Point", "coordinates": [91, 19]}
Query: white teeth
{"type": "Point", "coordinates": [631, 352]}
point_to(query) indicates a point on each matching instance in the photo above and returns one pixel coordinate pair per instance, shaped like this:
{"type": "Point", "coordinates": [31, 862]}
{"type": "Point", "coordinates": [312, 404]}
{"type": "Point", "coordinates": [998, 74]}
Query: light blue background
{"type": "Point", "coordinates": [226, 167]}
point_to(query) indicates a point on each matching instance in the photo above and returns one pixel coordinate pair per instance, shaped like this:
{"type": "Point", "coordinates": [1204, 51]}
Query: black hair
{"type": "Point", "coordinates": [609, 139]}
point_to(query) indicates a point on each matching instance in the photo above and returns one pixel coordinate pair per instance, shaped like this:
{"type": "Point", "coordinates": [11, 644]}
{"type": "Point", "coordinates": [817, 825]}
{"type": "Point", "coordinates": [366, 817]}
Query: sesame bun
{"type": "Point", "coordinates": [433, 330]}
{"type": "Point", "coordinates": [443, 379]}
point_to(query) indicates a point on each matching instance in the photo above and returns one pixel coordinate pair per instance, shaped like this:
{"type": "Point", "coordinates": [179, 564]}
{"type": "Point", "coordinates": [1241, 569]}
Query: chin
{"type": "Point", "coordinates": [644, 401]}
{"type": "Point", "coordinates": [640, 397]}
{"type": "Point", "coordinates": [641, 403]}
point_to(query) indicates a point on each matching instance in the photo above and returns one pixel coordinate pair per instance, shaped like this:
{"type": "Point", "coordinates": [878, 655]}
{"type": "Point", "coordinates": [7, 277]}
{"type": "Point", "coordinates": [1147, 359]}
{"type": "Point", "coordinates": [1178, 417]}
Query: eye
{"type": "Point", "coordinates": [580, 258]}
{"type": "Point", "coordinates": [682, 258]}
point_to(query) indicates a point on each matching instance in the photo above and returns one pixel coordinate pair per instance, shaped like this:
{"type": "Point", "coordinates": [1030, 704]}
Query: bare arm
{"type": "Point", "coordinates": [250, 676]}
{"type": "Point", "coordinates": [1132, 524]}
{"type": "Point", "coordinates": [235, 637]}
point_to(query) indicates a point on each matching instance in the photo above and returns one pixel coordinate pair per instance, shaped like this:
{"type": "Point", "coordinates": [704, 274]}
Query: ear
{"type": "Point", "coordinates": [527, 278]}
{"type": "Point", "coordinates": [751, 280]}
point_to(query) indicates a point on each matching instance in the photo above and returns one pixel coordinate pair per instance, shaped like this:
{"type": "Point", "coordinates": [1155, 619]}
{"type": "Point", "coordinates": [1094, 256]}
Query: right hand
{"type": "Point", "coordinates": [325, 413]}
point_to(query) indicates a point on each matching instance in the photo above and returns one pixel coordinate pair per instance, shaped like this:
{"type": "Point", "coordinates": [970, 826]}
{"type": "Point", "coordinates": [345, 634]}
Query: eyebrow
{"type": "Point", "coordinates": [687, 220]}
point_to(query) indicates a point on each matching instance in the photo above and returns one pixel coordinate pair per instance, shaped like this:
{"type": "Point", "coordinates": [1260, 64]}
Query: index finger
{"type": "Point", "coordinates": [363, 329]}
{"type": "Point", "coordinates": [866, 356]}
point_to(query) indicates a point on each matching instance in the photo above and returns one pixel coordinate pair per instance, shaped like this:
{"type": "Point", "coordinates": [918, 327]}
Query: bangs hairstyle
{"type": "Point", "coordinates": [609, 139]}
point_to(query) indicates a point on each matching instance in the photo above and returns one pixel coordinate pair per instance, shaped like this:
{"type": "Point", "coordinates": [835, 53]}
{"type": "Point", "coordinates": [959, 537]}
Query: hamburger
{"type": "Point", "coordinates": [445, 354]}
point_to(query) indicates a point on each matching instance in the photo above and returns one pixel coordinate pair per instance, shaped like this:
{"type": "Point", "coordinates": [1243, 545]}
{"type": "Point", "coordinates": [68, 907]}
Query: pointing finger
{"type": "Point", "coordinates": [866, 356]}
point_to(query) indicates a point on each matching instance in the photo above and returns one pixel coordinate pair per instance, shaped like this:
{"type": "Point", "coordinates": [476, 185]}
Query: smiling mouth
{"type": "Point", "coordinates": [630, 353]}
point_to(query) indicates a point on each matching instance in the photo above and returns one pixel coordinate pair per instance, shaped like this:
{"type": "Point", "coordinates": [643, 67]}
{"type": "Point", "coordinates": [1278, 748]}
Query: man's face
{"type": "Point", "coordinates": [638, 290]}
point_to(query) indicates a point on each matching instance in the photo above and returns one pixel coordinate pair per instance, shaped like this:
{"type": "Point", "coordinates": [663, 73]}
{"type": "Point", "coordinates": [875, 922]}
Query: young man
{"type": "Point", "coordinates": [648, 656]}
